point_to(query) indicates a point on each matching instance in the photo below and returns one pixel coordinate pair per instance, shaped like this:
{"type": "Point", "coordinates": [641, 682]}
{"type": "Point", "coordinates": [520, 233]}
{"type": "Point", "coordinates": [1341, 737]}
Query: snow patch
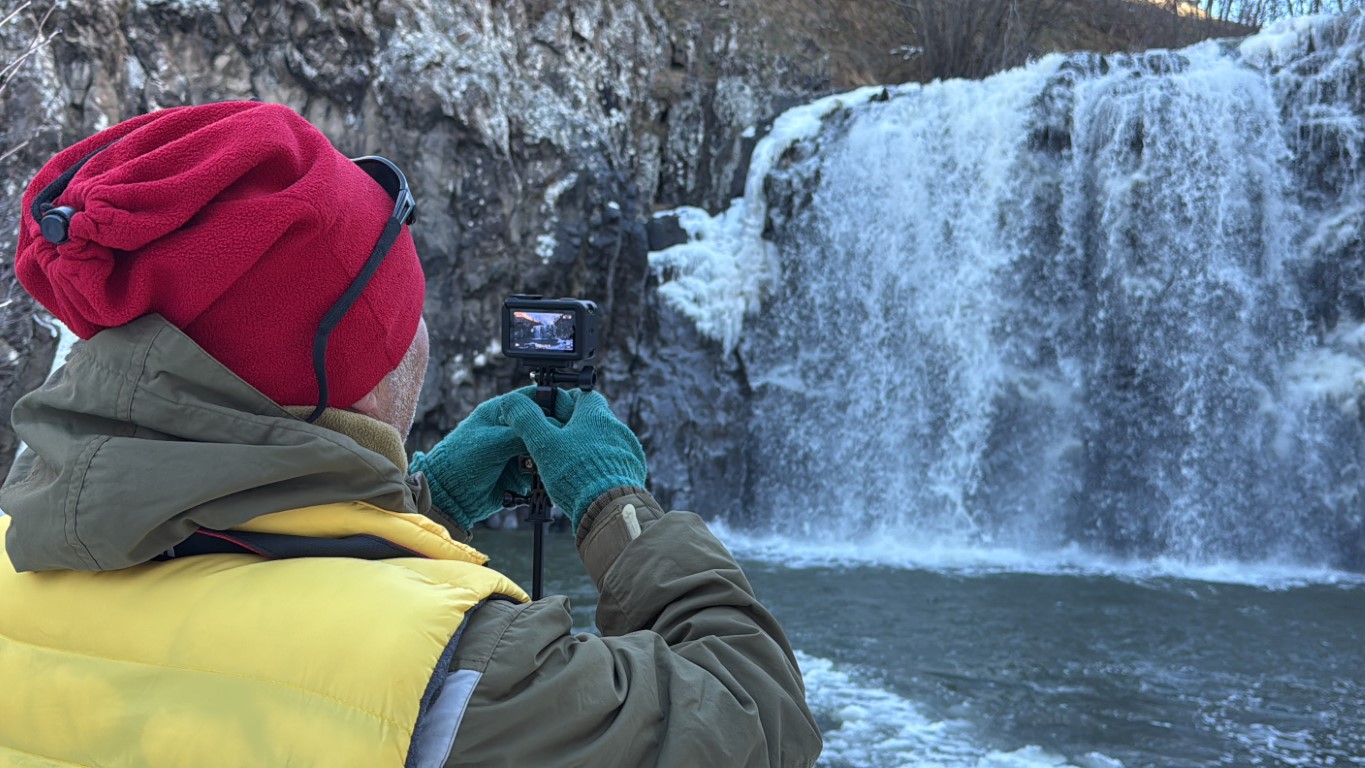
{"type": "Point", "coordinates": [546, 243]}
{"type": "Point", "coordinates": [459, 372]}
{"type": "Point", "coordinates": [545, 247]}
{"type": "Point", "coordinates": [137, 76]}
{"type": "Point", "coordinates": [726, 267]}
{"type": "Point", "coordinates": [184, 7]}
{"type": "Point", "coordinates": [490, 353]}
{"type": "Point", "coordinates": [1282, 41]}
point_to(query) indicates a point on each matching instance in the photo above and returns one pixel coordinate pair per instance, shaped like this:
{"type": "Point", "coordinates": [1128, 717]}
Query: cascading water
{"type": "Point", "coordinates": [1113, 301]}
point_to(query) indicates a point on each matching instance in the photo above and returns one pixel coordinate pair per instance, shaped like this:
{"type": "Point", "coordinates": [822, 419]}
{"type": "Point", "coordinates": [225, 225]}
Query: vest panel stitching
{"type": "Point", "coordinates": [221, 537]}
{"type": "Point", "coordinates": [469, 552]}
{"type": "Point", "coordinates": [48, 758]}
{"type": "Point", "coordinates": [278, 683]}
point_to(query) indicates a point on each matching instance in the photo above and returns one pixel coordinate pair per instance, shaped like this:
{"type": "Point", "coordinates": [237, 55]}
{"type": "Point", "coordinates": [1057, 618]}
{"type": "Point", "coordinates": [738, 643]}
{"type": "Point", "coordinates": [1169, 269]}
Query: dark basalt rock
{"type": "Point", "coordinates": [539, 137]}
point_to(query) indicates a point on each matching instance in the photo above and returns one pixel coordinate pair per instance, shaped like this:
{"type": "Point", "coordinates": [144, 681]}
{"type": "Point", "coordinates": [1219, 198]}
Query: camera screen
{"type": "Point", "coordinates": [542, 331]}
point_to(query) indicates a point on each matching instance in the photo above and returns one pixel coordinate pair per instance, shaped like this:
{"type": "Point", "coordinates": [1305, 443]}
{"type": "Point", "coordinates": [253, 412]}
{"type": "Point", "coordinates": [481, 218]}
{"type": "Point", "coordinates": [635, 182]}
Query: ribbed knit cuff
{"type": "Point", "coordinates": [604, 480]}
{"type": "Point", "coordinates": [441, 501]}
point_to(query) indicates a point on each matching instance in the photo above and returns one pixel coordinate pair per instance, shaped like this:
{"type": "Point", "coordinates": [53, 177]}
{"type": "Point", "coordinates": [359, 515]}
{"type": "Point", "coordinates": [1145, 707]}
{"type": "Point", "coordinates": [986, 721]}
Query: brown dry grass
{"type": "Point", "coordinates": [862, 42]}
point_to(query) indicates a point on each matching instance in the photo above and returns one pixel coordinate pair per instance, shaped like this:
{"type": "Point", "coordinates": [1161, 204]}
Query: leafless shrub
{"type": "Point", "coordinates": [41, 38]}
{"type": "Point", "coordinates": [1257, 12]}
{"type": "Point", "coordinates": [974, 39]}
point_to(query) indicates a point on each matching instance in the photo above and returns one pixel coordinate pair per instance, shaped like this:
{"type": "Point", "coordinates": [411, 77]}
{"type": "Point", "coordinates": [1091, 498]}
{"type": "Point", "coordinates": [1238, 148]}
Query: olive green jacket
{"type": "Point", "coordinates": [142, 438]}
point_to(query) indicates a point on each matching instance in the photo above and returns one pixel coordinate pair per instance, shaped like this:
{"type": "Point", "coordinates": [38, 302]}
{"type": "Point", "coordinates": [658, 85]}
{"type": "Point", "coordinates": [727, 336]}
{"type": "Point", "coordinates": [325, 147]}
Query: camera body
{"type": "Point", "coordinates": [549, 333]}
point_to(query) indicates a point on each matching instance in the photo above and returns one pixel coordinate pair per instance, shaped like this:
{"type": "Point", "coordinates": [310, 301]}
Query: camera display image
{"type": "Point", "coordinates": [543, 331]}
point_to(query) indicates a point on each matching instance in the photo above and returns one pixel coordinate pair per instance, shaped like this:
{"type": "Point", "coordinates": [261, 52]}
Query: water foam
{"type": "Point", "coordinates": [878, 729]}
{"type": "Point", "coordinates": [890, 550]}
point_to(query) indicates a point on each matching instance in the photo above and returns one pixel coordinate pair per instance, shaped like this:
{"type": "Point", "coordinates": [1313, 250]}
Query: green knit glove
{"type": "Point", "coordinates": [590, 454]}
{"type": "Point", "coordinates": [473, 466]}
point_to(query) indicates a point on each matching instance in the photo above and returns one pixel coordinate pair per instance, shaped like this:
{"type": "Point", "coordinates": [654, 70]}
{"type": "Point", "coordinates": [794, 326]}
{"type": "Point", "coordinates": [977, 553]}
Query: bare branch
{"type": "Point", "coordinates": [6, 156]}
{"type": "Point", "coordinates": [15, 12]}
{"type": "Point", "coordinates": [39, 41]}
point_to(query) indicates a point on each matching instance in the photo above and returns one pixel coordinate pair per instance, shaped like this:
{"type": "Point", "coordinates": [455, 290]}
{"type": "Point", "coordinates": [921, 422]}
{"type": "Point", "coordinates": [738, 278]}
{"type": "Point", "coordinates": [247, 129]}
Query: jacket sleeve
{"type": "Point", "coordinates": [690, 669]}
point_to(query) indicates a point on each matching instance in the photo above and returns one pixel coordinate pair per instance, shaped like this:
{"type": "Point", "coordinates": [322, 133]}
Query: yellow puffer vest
{"type": "Point", "coordinates": [233, 660]}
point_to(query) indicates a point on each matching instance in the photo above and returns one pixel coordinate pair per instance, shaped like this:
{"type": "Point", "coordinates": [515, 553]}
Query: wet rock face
{"type": "Point", "coordinates": [538, 136]}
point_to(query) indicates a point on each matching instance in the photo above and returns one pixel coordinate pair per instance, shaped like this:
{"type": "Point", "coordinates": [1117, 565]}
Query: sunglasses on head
{"type": "Point", "coordinates": [387, 175]}
{"type": "Point", "coordinates": [383, 171]}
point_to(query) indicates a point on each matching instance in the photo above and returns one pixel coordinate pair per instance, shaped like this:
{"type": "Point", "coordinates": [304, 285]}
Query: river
{"type": "Point", "coordinates": [991, 665]}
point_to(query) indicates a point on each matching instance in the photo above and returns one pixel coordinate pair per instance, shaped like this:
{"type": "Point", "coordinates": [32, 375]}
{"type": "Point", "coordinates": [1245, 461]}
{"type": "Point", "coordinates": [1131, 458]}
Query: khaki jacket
{"type": "Point", "coordinates": [143, 438]}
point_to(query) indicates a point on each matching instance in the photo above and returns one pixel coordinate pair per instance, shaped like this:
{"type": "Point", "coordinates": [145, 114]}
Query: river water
{"type": "Point", "coordinates": [994, 666]}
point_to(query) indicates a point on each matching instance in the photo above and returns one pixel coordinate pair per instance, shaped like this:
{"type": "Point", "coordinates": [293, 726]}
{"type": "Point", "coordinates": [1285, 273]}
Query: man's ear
{"type": "Point", "coordinates": [368, 405]}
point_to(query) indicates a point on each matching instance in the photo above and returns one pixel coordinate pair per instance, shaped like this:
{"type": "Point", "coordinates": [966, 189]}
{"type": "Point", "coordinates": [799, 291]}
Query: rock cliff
{"type": "Point", "coordinates": [539, 137]}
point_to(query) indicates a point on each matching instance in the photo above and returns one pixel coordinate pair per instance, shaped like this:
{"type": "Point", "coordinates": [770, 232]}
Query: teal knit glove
{"type": "Point", "coordinates": [590, 454]}
{"type": "Point", "coordinates": [473, 466]}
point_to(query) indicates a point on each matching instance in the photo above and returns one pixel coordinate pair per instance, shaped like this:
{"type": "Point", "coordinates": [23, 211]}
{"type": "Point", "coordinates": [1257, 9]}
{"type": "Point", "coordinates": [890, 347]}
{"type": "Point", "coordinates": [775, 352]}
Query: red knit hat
{"type": "Point", "coordinates": [241, 225]}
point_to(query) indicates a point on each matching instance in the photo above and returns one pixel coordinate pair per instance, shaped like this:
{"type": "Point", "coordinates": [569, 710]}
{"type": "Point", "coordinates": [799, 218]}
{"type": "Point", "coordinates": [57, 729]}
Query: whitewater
{"type": "Point", "coordinates": [1098, 304]}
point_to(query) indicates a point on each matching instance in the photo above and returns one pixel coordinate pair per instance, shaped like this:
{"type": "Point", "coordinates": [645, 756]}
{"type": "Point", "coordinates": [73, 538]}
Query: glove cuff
{"type": "Point", "coordinates": [589, 493]}
{"type": "Point", "coordinates": [441, 500]}
{"type": "Point", "coordinates": [602, 473]}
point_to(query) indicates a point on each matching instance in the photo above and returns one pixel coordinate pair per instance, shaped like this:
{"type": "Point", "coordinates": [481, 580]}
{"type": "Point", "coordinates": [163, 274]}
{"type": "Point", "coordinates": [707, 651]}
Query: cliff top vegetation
{"type": "Point", "coordinates": [894, 41]}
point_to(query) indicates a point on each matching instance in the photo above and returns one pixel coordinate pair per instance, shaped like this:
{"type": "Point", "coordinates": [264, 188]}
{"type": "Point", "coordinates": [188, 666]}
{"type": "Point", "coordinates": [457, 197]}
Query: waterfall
{"type": "Point", "coordinates": [1107, 301]}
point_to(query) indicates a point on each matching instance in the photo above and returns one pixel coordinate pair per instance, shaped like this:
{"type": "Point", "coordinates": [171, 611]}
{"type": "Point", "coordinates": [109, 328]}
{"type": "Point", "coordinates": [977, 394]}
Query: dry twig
{"type": "Point", "coordinates": [40, 40]}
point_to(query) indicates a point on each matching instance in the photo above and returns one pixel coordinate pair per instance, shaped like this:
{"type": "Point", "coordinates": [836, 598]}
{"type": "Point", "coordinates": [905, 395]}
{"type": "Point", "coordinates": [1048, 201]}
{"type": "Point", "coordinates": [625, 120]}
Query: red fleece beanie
{"type": "Point", "coordinates": [241, 225]}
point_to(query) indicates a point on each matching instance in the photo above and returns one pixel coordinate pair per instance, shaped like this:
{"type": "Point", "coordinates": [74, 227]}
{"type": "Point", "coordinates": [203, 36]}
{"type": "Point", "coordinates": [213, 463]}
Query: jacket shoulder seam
{"type": "Point", "coordinates": [141, 372]}
{"type": "Point", "coordinates": [74, 493]}
{"type": "Point", "coordinates": [516, 611]}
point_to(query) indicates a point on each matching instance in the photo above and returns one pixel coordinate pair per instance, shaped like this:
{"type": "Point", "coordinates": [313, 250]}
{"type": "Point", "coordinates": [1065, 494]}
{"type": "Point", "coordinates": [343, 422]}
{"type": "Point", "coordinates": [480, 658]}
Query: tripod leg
{"type": "Point", "coordinates": [538, 562]}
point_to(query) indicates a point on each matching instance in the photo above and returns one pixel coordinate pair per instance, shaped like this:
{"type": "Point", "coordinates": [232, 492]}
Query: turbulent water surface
{"type": "Point", "coordinates": [990, 666]}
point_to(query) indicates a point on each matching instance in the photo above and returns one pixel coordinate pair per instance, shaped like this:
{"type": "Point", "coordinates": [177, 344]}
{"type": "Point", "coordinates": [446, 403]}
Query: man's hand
{"type": "Point", "coordinates": [589, 454]}
{"type": "Point", "coordinates": [471, 469]}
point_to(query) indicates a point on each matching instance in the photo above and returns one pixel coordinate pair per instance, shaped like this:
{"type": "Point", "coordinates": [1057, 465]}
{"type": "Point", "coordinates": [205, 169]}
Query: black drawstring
{"type": "Point", "coordinates": [338, 311]}
{"type": "Point", "coordinates": [404, 212]}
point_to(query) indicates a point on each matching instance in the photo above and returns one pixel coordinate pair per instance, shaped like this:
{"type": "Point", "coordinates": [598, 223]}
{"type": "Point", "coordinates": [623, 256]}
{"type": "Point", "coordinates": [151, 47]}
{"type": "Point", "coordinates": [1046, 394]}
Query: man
{"type": "Point", "coordinates": [216, 555]}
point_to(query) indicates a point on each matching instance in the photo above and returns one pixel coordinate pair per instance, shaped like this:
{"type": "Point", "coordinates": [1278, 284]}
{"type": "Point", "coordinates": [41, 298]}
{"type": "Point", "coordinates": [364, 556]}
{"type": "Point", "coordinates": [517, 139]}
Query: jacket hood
{"type": "Point", "coordinates": [142, 437]}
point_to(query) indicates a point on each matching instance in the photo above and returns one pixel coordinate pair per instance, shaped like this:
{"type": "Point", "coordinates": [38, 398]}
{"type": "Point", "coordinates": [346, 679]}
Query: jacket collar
{"type": "Point", "coordinates": [368, 433]}
{"type": "Point", "coordinates": [142, 438]}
